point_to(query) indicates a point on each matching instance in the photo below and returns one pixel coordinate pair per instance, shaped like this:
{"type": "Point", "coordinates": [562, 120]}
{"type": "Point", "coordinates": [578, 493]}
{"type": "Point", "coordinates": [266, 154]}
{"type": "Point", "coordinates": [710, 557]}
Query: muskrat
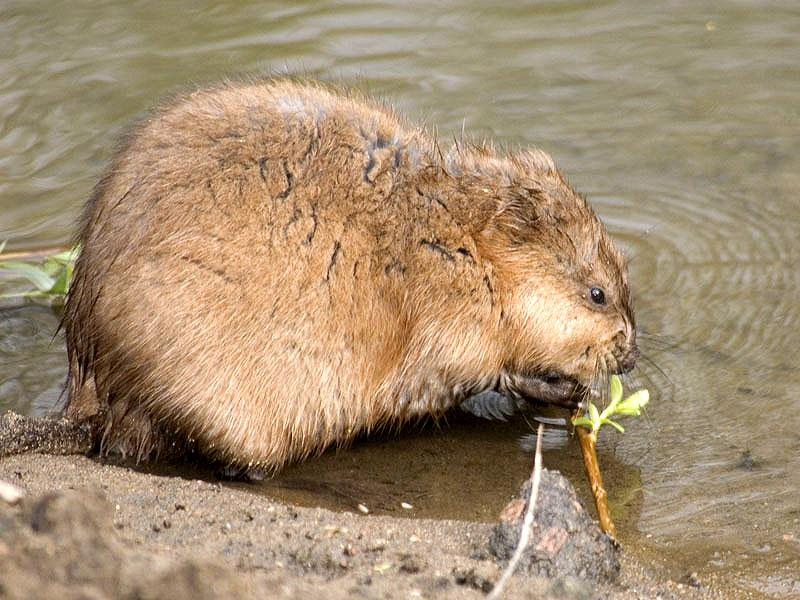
{"type": "Point", "coordinates": [273, 267]}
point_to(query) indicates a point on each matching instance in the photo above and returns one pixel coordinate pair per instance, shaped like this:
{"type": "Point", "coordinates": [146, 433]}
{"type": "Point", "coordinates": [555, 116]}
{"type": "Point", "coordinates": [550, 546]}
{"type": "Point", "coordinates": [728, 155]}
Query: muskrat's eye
{"type": "Point", "coordinates": [597, 295]}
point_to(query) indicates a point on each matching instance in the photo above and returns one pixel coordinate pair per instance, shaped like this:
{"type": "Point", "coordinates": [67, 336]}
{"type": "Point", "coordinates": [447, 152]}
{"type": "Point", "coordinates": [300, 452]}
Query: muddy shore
{"type": "Point", "coordinates": [86, 528]}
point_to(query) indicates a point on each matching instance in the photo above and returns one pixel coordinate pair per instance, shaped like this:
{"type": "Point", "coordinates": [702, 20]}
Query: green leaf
{"type": "Point", "coordinates": [594, 416]}
{"type": "Point", "coordinates": [34, 274]}
{"type": "Point", "coordinates": [633, 404]}
{"type": "Point", "coordinates": [67, 257]}
{"type": "Point", "coordinates": [582, 422]}
{"type": "Point", "coordinates": [61, 284]}
{"type": "Point", "coordinates": [616, 425]}
{"type": "Point", "coordinates": [50, 276]}
{"type": "Point", "coordinates": [616, 390]}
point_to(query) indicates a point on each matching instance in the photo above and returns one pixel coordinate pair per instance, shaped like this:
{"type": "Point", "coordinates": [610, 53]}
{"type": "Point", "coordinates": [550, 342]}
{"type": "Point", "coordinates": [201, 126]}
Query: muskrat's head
{"type": "Point", "coordinates": [567, 312]}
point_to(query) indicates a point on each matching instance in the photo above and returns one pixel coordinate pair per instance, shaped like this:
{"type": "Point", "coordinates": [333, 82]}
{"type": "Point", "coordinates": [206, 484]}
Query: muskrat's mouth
{"type": "Point", "coordinates": [552, 388]}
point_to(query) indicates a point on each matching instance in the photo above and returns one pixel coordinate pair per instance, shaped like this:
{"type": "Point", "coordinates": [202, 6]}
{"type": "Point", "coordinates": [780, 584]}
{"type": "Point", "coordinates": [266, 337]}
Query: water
{"type": "Point", "coordinates": [681, 125]}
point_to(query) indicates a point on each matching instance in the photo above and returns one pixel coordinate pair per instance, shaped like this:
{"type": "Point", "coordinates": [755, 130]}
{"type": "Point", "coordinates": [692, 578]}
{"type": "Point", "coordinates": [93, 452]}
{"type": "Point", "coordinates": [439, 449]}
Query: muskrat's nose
{"type": "Point", "coordinates": [628, 360]}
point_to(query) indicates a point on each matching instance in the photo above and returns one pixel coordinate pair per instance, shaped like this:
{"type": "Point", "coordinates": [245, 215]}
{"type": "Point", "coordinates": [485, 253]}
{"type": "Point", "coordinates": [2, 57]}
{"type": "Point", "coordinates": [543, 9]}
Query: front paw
{"type": "Point", "coordinates": [558, 391]}
{"type": "Point", "coordinates": [490, 405]}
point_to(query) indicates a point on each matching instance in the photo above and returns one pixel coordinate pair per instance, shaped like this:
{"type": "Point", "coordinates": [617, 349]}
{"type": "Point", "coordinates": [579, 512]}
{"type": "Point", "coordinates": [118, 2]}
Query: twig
{"type": "Point", "coordinates": [588, 443]}
{"type": "Point", "coordinates": [527, 522]}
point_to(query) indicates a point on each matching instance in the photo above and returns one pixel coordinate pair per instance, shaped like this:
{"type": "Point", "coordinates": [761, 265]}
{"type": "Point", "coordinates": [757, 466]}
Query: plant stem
{"type": "Point", "coordinates": [588, 443]}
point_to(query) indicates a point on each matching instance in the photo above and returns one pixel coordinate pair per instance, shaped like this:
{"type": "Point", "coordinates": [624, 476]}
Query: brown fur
{"type": "Point", "coordinates": [271, 268]}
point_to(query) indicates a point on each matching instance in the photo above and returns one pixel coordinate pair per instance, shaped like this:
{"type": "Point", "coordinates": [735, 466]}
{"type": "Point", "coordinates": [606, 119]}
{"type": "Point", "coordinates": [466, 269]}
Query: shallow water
{"type": "Point", "coordinates": [680, 125]}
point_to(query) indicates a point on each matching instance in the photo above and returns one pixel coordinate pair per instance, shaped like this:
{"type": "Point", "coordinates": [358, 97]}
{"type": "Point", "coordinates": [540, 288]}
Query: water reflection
{"type": "Point", "coordinates": [32, 360]}
{"type": "Point", "coordinates": [680, 125]}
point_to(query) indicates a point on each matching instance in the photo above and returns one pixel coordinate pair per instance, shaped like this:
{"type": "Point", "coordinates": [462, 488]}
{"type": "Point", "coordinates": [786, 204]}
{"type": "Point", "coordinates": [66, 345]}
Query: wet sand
{"type": "Point", "coordinates": [92, 529]}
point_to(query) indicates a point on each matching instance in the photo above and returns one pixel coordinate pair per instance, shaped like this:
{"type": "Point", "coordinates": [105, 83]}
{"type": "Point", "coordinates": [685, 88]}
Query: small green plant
{"type": "Point", "coordinates": [50, 275]}
{"type": "Point", "coordinates": [593, 419]}
{"type": "Point", "coordinates": [587, 424]}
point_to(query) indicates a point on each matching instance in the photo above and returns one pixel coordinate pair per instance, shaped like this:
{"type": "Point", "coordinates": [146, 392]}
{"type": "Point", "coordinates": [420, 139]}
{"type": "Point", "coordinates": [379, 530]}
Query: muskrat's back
{"type": "Point", "coordinates": [270, 268]}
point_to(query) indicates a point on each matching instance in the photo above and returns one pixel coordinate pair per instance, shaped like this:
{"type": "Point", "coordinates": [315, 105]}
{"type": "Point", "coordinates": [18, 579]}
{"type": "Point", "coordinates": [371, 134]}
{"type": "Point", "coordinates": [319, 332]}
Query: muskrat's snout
{"type": "Point", "coordinates": [626, 353]}
{"type": "Point", "coordinates": [628, 360]}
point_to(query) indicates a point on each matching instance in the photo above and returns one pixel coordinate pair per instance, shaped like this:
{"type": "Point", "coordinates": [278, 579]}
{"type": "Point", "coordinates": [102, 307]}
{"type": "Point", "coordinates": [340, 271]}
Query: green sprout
{"type": "Point", "coordinates": [50, 276]}
{"type": "Point", "coordinates": [593, 419]}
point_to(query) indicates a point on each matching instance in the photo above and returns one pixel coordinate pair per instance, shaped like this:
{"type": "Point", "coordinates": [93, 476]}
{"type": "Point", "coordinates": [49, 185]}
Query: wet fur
{"type": "Point", "coordinates": [270, 268]}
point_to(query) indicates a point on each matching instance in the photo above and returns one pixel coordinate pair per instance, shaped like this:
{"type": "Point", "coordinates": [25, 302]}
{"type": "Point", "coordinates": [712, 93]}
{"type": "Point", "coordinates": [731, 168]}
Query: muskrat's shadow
{"type": "Point", "coordinates": [461, 467]}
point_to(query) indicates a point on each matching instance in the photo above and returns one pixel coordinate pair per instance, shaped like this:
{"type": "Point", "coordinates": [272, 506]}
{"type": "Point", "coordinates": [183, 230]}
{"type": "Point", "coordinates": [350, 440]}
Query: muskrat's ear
{"type": "Point", "coordinates": [513, 194]}
{"type": "Point", "coordinates": [538, 195]}
{"type": "Point", "coordinates": [479, 180]}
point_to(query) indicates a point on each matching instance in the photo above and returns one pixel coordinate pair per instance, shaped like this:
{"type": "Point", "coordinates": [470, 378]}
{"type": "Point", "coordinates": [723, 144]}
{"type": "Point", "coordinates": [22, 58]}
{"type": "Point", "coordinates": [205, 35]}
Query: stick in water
{"type": "Point", "coordinates": [527, 523]}
{"type": "Point", "coordinates": [588, 423]}
{"type": "Point", "coordinates": [588, 443]}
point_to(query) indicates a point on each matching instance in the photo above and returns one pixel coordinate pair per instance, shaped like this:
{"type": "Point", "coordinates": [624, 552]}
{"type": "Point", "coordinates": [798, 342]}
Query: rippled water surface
{"type": "Point", "coordinates": [680, 124]}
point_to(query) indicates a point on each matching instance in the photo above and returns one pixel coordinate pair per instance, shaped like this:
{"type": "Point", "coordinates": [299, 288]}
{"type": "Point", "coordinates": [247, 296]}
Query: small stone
{"type": "Point", "coordinates": [481, 577]}
{"type": "Point", "coordinates": [747, 462]}
{"type": "Point", "coordinates": [382, 567]}
{"type": "Point", "coordinates": [565, 542]}
{"type": "Point", "coordinates": [378, 546]}
{"type": "Point", "coordinates": [692, 580]}
{"type": "Point", "coordinates": [363, 508]}
{"type": "Point", "coordinates": [9, 493]}
{"type": "Point", "coordinates": [411, 563]}
{"type": "Point", "coordinates": [406, 505]}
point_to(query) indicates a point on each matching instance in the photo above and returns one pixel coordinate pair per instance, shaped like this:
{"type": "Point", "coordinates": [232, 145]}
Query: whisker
{"type": "Point", "coordinates": [642, 374]}
{"type": "Point", "coordinates": [627, 379]}
{"type": "Point", "coordinates": [588, 393]}
{"type": "Point", "coordinates": [659, 370]}
{"type": "Point", "coordinates": [602, 378]}
{"type": "Point", "coordinates": [656, 344]}
{"type": "Point", "coordinates": [641, 331]}
{"type": "Point", "coordinates": [659, 342]}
